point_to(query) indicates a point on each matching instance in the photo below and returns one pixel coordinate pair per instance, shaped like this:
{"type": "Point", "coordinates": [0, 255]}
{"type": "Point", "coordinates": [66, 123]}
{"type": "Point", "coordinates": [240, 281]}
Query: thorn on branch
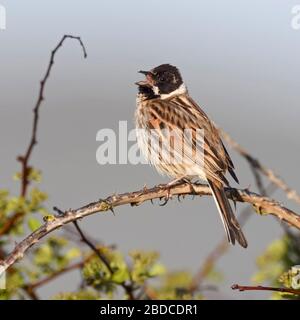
{"type": "Point", "coordinates": [112, 210]}
{"type": "Point", "coordinates": [60, 212]}
{"type": "Point", "coordinates": [269, 206]}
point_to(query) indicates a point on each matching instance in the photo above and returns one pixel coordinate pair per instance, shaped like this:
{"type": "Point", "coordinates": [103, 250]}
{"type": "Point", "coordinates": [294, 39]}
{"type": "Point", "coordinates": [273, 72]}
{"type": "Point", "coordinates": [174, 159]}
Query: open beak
{"type": "Point", "coordinates": [148, 82]}
{"type": "Point", "coordinates": [144, 72]}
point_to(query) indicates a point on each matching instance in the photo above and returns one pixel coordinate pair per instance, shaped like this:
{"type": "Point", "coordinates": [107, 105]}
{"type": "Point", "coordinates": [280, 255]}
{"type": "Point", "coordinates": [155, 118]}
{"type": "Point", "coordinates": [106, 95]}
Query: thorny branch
{"type": "Point", "coordinates": [24, 159]}
{"type": "Point", "coordinates": [262, 288]}
{"type": "Point", "coordinates": [33, 141]}
{"type": "Point", "coordinates": [256, 165]}
{"type": "Point", "coordinates": [262, 204]}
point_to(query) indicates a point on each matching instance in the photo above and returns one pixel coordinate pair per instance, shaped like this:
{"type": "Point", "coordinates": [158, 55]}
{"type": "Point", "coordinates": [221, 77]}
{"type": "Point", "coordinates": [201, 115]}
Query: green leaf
{"type": "Point", "coordinates": [33, 224]}
{"type": "Point", "coordinates": [80, 295]}
{"type": "Point", "coordinates": [43, 255]}
{"type": "Point", "coordinates": [157, 270]}
{"type": "Point", "coordinates": [16, 204]}
{"type": "Point", "coordinates": [121, 275]}
{"type": "Point", "coordinates": [37, 197]}
{"type": "Point", "coordinates": [144, 265]}
{"type": "Point", "coordinates": [17, 176]}
{"type": "Point", "coordinates": [73, 253]}
{"type": "Point", "coordinates": [35, 175]}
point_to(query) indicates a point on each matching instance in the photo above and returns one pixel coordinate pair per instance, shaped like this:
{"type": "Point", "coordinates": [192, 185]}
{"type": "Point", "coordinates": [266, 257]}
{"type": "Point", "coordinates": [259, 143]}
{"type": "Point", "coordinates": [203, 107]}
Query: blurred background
{"type": "Point", "coordinates": [240, 61]}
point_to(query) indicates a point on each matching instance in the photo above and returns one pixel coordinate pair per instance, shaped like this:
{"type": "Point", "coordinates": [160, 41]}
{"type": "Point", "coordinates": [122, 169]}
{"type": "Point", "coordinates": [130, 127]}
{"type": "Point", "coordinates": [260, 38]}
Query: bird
{"type": "Point", "coordinates": [163, 105]}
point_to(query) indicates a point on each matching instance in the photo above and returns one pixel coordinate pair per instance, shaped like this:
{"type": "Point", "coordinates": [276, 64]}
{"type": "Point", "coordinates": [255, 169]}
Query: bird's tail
{"type": "Point", "coordinates": [231, 225]}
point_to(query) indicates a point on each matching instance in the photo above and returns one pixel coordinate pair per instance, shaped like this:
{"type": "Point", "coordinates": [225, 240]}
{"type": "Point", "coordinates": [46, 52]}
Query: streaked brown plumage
{"type": "Point", "coordinates": [163, 106]}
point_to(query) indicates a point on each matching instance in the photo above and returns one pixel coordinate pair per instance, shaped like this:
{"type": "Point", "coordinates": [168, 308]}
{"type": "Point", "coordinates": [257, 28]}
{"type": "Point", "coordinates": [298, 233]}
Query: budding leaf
{"type": "Point", "coordinates": [33, 224]}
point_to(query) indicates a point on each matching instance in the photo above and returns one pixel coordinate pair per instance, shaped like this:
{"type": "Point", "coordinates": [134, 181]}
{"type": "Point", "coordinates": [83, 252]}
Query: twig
{"type": "Point", "coordinates": [31, 293]}
{"type": "Point", "coordinates": [24, 159]}
{"type": "Point", "coordinates": [262, 288]}
{"type": "Point", "coordinates": [93, 248]}
{"type": "Point", "coordinates": [58, 273]}
{"type": "Point", "coordinates": [33, 141]}
{"type": "Point", "coordinates": [127, 287]}
{"type": "Point", "coordinates": [54, 275]}
{"type": "Point", "coordinates": [258, 180]}
{"type": "Point", "coordinates": [263, 204]}
{"type": "Point", "coordinates": [270, 174]}
{"type": "Point", "coordinates": [72, 234]}
{"type": "Point", "coordinates": [208, 264]}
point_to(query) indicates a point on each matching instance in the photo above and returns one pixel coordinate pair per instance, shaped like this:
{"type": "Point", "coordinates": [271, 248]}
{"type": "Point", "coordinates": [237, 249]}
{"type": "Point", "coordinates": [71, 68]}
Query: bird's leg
{"type": "Point", "coordinates": [189, 182]}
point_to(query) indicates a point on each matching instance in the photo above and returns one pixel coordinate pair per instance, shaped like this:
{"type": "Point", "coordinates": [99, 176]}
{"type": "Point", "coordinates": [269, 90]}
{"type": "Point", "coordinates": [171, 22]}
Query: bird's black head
{"type": "Point", "coordinates": [146, 92]}
{"type": "Point", "coordinates": [164, 79]}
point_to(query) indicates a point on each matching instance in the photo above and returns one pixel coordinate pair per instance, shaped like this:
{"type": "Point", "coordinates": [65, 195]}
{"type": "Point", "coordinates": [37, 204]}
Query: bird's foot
{"type": "Point", "coordinates": [191, 185]}
{"type": "Point", "coordinates": [168, 188]}
{"type": "Point", "coordinates": [168, 196]}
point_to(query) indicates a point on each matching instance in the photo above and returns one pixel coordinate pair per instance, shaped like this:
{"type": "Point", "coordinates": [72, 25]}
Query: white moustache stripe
{"type": "Point", "coordinates": [181, 90]}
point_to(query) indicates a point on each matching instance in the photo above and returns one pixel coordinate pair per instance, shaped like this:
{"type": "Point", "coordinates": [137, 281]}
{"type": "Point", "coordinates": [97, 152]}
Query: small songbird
{"type": "Point", "coordinates": [164, 106]}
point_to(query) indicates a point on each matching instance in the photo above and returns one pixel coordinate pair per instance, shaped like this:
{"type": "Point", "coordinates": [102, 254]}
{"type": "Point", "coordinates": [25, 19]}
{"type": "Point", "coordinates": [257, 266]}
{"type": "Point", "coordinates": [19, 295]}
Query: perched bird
{"type": "Point", "coordinates": [164, 106]}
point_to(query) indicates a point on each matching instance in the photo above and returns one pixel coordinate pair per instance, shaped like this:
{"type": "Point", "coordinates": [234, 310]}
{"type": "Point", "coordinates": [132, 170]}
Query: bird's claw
{"type": "Point", "coordinates": [180, 196]}
{"type": "Point", "coordinates": [167, 197]}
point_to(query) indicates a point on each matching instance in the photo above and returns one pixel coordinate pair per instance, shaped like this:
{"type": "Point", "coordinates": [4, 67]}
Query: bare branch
{"type": "Point", "coordinates": [258, 180]}
{"type": "Point", "coordinates": [24, 159]}
{"type": "Point", "coordinates": [262, 204]}
{"type": "Point", "coordinates": [270, 174]}
{"type": "Point", "coordinates": [99, 254]}
{"type": "Point", "coordinates": [33, 141]}
{"type": "Point", "coordinates": [53, 276]}
{"type": "Point", "coordinates": [262, 288]}
{"type": "Point", "coordinates": [209, 263]}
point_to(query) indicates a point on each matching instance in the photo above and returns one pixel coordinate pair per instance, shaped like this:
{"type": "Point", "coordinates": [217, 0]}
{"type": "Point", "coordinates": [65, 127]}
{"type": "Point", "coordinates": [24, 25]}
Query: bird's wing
{"type": "Point", "coordinates": [181, 113]}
